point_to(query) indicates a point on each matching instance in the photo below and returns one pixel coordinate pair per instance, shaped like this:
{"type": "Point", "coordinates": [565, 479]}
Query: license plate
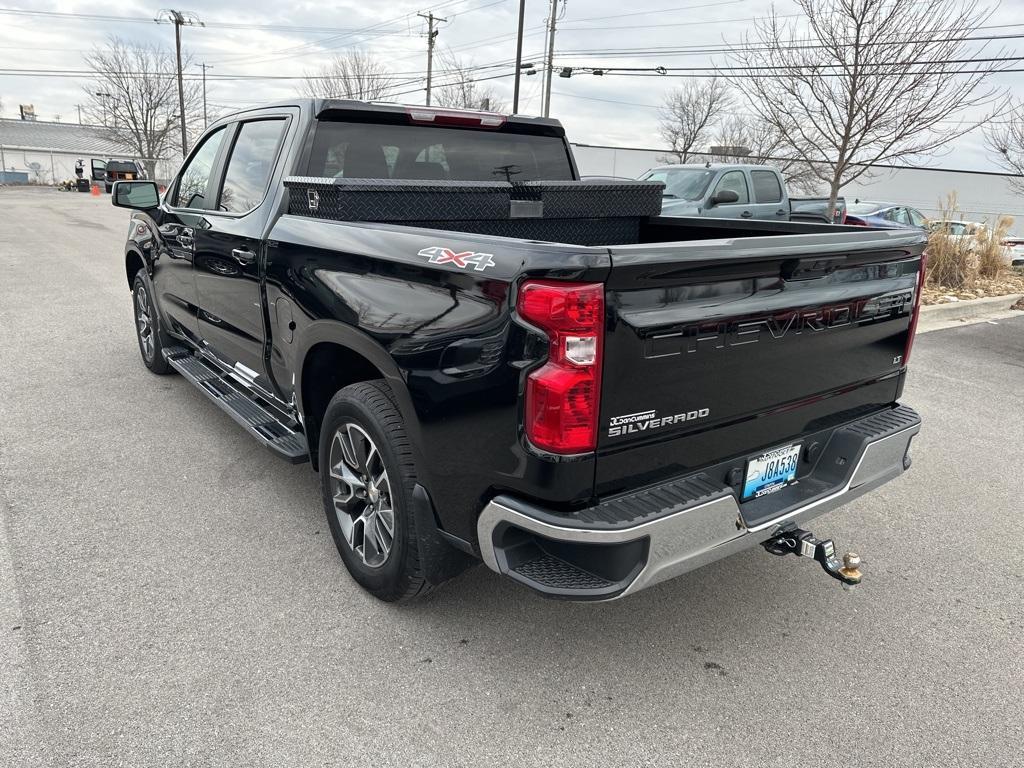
{"type": "Point", "coordinates": [130, 176]}
{"type": "Point", "coordinates": [771, 471]}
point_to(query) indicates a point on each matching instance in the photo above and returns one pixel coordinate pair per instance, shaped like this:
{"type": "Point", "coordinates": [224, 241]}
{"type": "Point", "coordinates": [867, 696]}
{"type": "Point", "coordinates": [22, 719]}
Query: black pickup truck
{"type": "Point", "coordinates": [485, 357]}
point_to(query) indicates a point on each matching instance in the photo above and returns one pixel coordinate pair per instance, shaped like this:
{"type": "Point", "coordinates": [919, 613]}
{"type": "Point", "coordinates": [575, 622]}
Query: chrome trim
{"type": "Point", "coordinates": [852, 483]}
{"type": "Point", "coordinates": [698, 535]}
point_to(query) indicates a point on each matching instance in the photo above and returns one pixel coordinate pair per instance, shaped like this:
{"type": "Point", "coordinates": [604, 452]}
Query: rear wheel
{"type": "Point", "coordinates": [367, 478]}
{"type": "Point", "coordinates": [147, 325]}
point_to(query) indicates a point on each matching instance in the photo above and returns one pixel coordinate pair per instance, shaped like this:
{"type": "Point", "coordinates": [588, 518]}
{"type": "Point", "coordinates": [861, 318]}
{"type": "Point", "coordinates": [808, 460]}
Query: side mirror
{"type": "Point", "coordinates": [725, 196]}
{"type": "Point", "coordinates": [139, 195]}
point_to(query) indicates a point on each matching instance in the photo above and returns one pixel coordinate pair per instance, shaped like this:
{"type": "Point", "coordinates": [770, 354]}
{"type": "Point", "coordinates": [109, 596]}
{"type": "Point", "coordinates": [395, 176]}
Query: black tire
{"type": "Point", "coordinates": [371, 408]}
{"type": "Point", "coordinates": [152, 353]}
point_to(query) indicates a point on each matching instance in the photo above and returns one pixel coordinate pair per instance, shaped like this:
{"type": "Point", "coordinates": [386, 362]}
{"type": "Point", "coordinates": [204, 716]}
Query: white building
{"type": "Point", "coordinates": [40, 152]}
{"type": "Point", "coordinates": [981, 196]}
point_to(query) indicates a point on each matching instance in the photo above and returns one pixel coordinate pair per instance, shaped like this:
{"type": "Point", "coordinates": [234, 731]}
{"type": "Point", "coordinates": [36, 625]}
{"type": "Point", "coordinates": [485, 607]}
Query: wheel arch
{"type": "Point", "coordinates": [133, 262]}
{"type": "Point", "coordinates": [332, 356]}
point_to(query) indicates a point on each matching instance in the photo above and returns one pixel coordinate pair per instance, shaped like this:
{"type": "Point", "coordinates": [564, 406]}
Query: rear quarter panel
{"type": "Point", "coordinates": [458, 355]}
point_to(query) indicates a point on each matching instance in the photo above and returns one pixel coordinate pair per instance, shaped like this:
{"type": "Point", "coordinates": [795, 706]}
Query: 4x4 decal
{"type": "Point", "coordinates": [463, 260]}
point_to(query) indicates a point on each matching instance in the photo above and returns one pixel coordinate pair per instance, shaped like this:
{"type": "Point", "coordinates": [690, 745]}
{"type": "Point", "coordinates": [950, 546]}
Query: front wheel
{"type": "Point", "coordinates": [367, 478]}
{"type": "Point", "coordinates": [147, 326]}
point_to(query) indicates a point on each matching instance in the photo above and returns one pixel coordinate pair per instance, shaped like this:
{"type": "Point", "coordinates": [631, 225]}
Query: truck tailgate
{"type": "Point", "coordinates": [721, 348]}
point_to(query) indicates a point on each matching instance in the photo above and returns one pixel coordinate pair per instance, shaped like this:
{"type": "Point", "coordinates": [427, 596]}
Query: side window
{"type": "Point", "coordinates": [191, 192]}
{"type": "Point", "coordinates": [915, 217]}
{"type": "Point", "coordinates": [251, 163]}
{"type": "Point", "coordinates": [766, 187]}
{"type": "Point", "coordinates": [899, 215]}
{"type": "Point", "coordinates": [736, 182]}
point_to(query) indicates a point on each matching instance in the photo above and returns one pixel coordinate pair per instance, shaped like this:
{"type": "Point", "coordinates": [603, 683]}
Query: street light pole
{"type": "Point", "coordinates": [205, 67]}
{"type": "Point", "coordinates": [519, 57]}
{"type": "Point", "coordinates": [103, 103]}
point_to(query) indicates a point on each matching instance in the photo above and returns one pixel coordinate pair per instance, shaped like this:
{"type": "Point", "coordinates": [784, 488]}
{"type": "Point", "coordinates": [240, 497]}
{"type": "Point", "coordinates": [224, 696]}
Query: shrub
{"type": "Point", "coordinates": [959, 261]}
{"type": "Point", "coordinates": [990, 249]}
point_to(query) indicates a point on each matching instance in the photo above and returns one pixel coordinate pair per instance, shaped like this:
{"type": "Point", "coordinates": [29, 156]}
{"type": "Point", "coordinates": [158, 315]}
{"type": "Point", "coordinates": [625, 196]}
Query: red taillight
{"type": "Point", "coordinates": [563, 396]}
{"type": "Point", "coordinates": [855, 221]}
{"type": "Point", "coordinates": [917, 309]}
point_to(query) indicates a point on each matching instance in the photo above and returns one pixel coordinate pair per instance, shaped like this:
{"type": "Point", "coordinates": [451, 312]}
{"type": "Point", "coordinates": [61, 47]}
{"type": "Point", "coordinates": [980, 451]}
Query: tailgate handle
{"type": "Point", "coordinates": [811, 267]}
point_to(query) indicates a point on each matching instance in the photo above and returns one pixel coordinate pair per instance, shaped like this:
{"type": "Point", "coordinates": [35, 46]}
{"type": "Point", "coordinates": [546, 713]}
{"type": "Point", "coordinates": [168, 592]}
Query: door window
{"type": "Point", "coordinates": [252, 161]}
{"type": "Point", "coordinates": [191, 192]}
{"type": "Point", "coordinates": [735, 181]}
{"type": "Point", "coordinates": [899, 215]}
{"type": "Point", "coordinates": [915, 217]}
{"type": "Point", "coordinates": [766, 187]}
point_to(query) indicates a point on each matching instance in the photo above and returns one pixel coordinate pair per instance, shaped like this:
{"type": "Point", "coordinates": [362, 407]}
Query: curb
{"type": "Point", "coordinates": [970, 309]}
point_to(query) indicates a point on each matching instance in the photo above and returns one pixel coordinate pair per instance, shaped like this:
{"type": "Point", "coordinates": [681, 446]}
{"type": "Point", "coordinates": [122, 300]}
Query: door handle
{"type": "Point", "coordinates": [746, 215]}
{"type": "Point", "coordinates": [780, 212]}
{"type": "Point", "coordinates": [244, 256]}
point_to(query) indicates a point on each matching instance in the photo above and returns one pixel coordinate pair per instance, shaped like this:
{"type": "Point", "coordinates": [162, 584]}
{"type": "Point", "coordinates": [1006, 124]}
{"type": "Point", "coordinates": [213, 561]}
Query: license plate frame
{"type": "Point", "coordinates": [770, 471]}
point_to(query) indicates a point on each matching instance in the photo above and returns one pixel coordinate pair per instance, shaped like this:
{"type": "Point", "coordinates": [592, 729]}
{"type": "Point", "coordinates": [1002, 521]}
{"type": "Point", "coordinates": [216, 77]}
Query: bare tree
{"type": "Point", "coordinates": [464, 91]}
{"type": "Point", "coordinates": [690, 112]}
{"type": "Point", "coordinates": [135, 94]}
{"type": "Point", "coordinates": [354, 74]}
{"type": "Point", "coordinates": [1006, 141]}
{"type": "Point", "coordinates": [743, 138]}
{"type": "Point", "coordinates": [868, 81]}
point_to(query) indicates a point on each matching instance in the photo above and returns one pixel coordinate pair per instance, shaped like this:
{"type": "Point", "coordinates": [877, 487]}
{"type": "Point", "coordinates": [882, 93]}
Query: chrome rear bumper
{"type": "Point", "coordinates": [629, 543]}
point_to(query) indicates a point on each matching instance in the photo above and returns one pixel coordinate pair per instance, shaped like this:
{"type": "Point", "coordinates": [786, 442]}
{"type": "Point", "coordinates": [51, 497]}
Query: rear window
{"type": "Point", "coordinates": [121, 167]}
{"type": "Point", "coordinates": [766, 187]}
{"type": "Point", "coordinates": [372, 151]}
{"type": "Point", "coordinates": [862, 207]}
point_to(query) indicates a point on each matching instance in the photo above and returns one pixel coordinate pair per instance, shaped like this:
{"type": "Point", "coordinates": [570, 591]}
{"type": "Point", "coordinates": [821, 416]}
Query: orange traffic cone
{"type": "Point", "coordinates": [95, 191]}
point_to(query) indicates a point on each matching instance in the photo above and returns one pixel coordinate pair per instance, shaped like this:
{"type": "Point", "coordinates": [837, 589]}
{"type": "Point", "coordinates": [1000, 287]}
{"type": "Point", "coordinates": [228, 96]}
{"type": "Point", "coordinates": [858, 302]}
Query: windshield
{"type": "Point", "coordinates": [682, 183]}
{"type": "Point", "coordinates": [376, 151]}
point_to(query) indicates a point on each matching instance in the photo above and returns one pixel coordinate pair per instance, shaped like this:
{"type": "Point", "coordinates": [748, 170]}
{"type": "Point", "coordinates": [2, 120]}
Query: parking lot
{"type": "Point", "coordinates": [170, 594]}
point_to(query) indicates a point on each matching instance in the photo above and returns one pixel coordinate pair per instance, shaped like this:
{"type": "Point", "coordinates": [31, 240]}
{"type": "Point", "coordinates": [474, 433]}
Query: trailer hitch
{"type": "Point", "coordinates": [803, 543]}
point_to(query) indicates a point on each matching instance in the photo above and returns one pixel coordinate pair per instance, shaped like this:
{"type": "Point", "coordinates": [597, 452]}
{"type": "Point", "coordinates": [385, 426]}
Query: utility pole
{"type": "Point", "coordinates": [205, 67]}
{"type": "Point", "coordinates": [431, 36]}
{"type": "Point", "coordinates": [552, 19]}
{"type": "Point", "coordinates": [519, 57]}
{"type": "Point", "coordinates": [180, 19]}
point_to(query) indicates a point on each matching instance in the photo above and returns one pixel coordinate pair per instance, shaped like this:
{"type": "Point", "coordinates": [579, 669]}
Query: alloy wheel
{"type": "Point", "coordinates": [144, 321]}
{"type": "Point", "coordinates": [361, 493]}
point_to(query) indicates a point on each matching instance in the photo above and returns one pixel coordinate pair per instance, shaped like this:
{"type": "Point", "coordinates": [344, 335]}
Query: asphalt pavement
{"type": "Point", "coordinates": [170, 594]}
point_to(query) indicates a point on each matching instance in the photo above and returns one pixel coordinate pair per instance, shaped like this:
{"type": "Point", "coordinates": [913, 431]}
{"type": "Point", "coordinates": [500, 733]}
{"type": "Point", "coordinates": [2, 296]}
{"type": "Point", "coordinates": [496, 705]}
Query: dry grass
{"type": "Point", "coordinates": [959, 263]}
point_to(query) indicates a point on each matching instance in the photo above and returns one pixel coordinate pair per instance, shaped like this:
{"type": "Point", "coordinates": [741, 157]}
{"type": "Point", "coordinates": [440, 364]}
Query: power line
{"type": "Point", "coordinates": [712, 69]}
{"type": "Point", "coordinates": [329, 43]}
{"type": "Point", "coordinates": [90, 17]}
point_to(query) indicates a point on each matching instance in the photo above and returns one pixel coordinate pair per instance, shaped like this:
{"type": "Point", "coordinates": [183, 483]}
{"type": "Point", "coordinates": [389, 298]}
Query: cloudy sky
{"type": "Point", "coordinates": [268, 42]}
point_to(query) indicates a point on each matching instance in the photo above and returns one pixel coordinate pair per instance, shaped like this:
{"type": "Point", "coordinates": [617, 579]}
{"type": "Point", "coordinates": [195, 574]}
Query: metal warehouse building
{"type": "Point", "coordinates": [39, 152]}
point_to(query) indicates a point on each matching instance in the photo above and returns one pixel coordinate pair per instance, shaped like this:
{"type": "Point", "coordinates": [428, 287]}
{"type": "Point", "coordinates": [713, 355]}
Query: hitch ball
{"type": "Point", "coordinates": [851, 567]}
